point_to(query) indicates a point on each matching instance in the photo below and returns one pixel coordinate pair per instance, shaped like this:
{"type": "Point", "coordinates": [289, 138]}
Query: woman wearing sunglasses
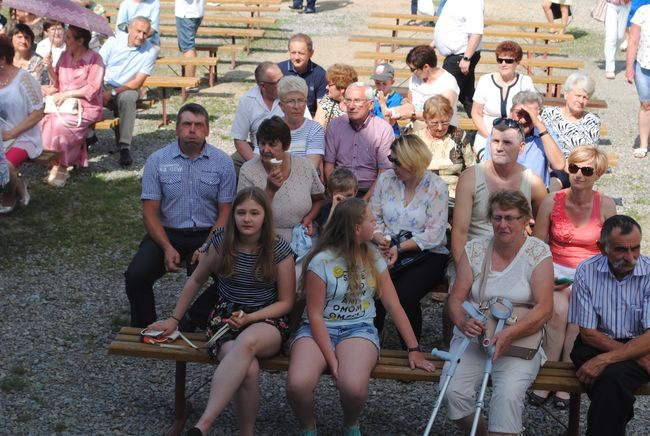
{"type": "Point", "coordinates": [494, 92]}
{"type": "Point", "coordinates": [571, 220]}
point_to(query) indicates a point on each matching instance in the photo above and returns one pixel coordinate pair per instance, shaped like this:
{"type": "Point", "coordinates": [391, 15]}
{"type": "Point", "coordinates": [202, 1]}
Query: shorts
{"type": "Point", "coordinates": [642, 82]}
{"type": "Point", "coordinates": [16, 156]}
{"type": "Point", "coordinates": [338, 334]}
{"type": "Point", "coordinates": [563, 2]}
{"type": "Point", "coordinates": [186, 29]}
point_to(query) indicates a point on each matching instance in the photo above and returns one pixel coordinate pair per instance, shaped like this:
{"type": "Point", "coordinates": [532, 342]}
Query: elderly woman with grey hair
{"type": "Point", "coordinates": [307, 136]}
{"type": "Point", "coordinates": [571, 125]}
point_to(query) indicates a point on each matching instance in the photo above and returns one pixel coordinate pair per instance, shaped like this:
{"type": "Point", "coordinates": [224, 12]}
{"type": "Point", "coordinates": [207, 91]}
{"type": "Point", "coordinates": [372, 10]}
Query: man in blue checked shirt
{"type": "Point", "coordinates": [187, 190]}
{"type": "Point", "coordinates": [610, 302]}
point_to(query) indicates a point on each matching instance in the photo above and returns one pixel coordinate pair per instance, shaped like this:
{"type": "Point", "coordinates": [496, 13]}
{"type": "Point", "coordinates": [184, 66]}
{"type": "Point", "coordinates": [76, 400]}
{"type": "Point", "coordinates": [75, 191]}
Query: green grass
{"type": "Point", "coordinates": [13, 383]}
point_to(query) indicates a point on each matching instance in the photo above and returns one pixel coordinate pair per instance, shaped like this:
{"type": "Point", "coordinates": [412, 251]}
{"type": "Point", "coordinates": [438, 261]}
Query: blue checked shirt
{"type": "Point", "coordinates": [189, 190]}
{"type": "Point", "coordinates": [619, 309]}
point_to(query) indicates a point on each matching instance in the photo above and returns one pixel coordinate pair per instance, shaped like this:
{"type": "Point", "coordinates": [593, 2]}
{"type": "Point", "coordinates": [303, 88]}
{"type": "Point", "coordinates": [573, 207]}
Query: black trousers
{"type": "Point", "coordinates": [148, 265]}
{"type": "Point", "coordinates": [465, 81]}
{"type": "Point", "coordinates": [612, 395]}
{"type": "Point", "coordinates": [411, 285]}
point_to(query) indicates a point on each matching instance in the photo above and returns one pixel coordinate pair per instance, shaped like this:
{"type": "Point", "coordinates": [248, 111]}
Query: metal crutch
{"type": "Point", "coordinates": [501, 309]}
{"type": "Point", "coordinates": [454, 360]}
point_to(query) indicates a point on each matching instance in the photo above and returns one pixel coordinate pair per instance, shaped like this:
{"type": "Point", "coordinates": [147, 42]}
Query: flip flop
{"type": "Point", "coordinates": [561, 403]}
{"type": "Point", "coordinates": [640, 153]}
{"type": "Point", "coordinates": [59, 181]}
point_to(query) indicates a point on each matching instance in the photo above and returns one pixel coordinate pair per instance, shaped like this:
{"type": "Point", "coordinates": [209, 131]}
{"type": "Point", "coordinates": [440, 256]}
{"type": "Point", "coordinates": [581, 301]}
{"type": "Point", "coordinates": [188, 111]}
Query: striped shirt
{"type": "Point", "coordinates": [189, 190]}
{"type": "Point", "coordinates": [619, 309]}
{"type": "Point", "coordinates": [308, 139]}
{"type": "Point", "coordinates": [242, 287]}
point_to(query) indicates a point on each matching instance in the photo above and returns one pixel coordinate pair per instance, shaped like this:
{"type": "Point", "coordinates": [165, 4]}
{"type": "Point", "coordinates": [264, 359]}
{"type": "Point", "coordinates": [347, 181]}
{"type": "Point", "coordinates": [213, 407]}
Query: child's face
{"type": "Point", "coordinates": [344, 195]}
{"type": "Point", "coordinates": [384, 86]}
{"type": "Point", "coordinates": [249, 217]}
{"type": "Point", "coordinates": [366, 229]}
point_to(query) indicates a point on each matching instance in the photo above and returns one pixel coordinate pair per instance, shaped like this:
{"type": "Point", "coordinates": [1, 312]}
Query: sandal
{"type": "Point", "coordinates": [59, 180]}
{"type": "Point", "coordinates": [537, 400]}
{"type": "Point", "coordinates": [561, 403]}
{"type": "Point", "coordinates": [640, 153]}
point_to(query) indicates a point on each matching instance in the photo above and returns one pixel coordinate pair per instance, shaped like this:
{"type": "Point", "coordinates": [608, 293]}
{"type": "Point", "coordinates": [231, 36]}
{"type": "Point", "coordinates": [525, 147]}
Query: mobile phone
{"type": "Point", "coordinates": [152, 333]}
{"type": "Point", "coordinates": [563, 280]}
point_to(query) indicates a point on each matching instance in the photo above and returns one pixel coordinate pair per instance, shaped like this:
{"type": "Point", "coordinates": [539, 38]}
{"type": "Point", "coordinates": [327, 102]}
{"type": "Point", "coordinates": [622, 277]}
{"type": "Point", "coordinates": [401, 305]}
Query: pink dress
{"type": "Point", "coordinates": [88, 76]}
{"type": "Point", "coordinates": [571, 245]}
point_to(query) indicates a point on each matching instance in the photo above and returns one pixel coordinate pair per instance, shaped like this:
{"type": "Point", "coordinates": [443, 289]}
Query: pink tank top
{"type": "Point", "coordinates": [571, 245]}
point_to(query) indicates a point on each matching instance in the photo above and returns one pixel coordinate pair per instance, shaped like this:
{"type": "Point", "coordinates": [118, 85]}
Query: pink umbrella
{"type": "Point", "coordinates": [64, 11]}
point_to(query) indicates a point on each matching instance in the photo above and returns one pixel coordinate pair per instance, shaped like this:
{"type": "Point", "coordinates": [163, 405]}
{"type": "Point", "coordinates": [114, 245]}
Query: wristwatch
{"type": "Point", "coordinates": [113, 92]}
{"type": "Point", "coordinates": [465, 58]}
{"type": "Point", "coordinates": [418, 349]}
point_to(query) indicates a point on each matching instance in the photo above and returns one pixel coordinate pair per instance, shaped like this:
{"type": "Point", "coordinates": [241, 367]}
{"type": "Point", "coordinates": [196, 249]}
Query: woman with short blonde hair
{"type": "Point", "coordinates": [410, 206]}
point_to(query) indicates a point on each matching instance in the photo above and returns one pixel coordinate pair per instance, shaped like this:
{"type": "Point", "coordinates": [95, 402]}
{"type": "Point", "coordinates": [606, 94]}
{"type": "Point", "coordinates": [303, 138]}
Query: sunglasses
{"type": "Point", "coordinates": [509, 122]}
{"type": "Point", "coordinates": [506, 60]}
{"type": "Point", "coordinates": [394, 161]}
{"type": "Point", "coordinates": [586, 171]}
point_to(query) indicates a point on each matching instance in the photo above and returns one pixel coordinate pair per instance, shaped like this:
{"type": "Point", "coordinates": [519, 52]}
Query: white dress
{"type": "Point", "coordinates": [17, 100]}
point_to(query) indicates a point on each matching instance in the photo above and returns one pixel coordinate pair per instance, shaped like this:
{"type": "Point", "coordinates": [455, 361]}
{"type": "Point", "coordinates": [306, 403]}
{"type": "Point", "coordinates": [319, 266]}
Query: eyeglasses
{"type": "Point", "coordinates": [437, 123]}
{"type": "Point", "coordinates": [265, 83]}
{"type": "Point", "coordinates": [509, 122]}
{"type": "Point", "coordinates": [586, 171]}
{"type": "Point", "coordinates": [356, 101]}
{"type": "Point", "coordinates": [507, 218]}
{"type": "Point", "coordinates": [295, 102]}
{"type": "Point", "coordinates": [394, 161]}
{"type": "Point", "coordinates": [506, 60]}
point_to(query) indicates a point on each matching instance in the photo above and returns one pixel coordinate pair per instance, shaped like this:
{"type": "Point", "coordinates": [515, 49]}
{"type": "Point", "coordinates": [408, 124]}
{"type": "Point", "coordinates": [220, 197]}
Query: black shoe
{"type": "Point", "coordinates": [125, 157]}
{"type": "Point", "coordinates": [194, 432]}
{"type": "Point", "coordinates": [91, 140]}
{"type": "Point", "coordinates": [309, 11]}
{"type": "Point", "coordinates": [295, 7]}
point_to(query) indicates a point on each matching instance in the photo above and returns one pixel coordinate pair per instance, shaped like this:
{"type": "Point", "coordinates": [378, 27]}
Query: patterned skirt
{"type": "Point", "coordinates": [224, 309]}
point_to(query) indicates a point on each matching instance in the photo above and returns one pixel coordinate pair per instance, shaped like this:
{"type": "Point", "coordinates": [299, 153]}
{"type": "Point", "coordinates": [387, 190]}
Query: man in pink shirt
{"type": "Point", "coordinates": [359, 140]}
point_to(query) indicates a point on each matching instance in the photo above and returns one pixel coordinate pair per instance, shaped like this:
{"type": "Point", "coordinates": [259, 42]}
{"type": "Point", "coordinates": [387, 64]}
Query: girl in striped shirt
{"type": "Point", "coordinates": [255, 272]}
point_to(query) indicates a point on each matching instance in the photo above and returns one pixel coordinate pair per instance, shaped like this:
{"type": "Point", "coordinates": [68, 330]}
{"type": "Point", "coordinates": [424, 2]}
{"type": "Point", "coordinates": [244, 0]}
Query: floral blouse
{"type": "Point", "coordinates": [425, 216]}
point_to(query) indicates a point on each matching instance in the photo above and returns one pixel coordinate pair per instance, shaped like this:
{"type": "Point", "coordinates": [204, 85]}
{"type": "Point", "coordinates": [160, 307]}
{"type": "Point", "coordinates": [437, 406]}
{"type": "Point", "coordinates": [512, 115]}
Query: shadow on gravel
{"type": "Point", "coordinates": [578, 33]}
{"type": "Point", "coordinates": [332, 5]}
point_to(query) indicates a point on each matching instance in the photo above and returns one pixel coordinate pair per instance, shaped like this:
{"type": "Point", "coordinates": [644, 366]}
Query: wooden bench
{"type": "Point", "coordinates": [228, 32]}
{"type": "Point", "coordinates": [468, 124]}
{"type": "Point", "coordinates": [392, 364]}
{"type": "Point", "coordinates": [486, 21]}
{"type": "Point", "coordinates": [216, 19]}
{"type": "Point", "coordinates": [494, 33]}
{"type": "Point", "coordinates": [45, 158]}
{"type": "Point", "coordinates": [530, 49]}
{"type": "Point", "coordinates": [209, 62]}
{"type": "Point", "coordinates": [213, 49]}
{"type": "Point", "coordinates": [166, 82]}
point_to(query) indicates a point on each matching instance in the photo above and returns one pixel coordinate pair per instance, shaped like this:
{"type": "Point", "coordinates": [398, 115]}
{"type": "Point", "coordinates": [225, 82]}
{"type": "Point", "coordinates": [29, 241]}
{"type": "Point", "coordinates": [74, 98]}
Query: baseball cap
{"type": "Point", "coordinates": [383, 72]}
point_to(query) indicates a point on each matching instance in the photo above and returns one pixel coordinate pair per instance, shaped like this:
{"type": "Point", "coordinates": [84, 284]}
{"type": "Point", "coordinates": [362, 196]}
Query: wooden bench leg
{"type": "Point", "coordinates": [164, 106]}
{"type": "Point", "coordinates": [182, 407]}
{"type": "Point", "coordinates": [574, 415]}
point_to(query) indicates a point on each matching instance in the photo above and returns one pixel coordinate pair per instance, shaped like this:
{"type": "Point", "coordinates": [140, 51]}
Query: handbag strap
{"type": "Point", "coordinates": [485, 269]}
{"type": "Point", "coordinates": [58, 114]}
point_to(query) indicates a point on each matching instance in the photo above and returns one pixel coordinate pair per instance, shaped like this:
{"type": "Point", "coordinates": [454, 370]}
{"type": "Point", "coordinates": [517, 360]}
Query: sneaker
{"type": "Point", "coordinates": [352, 431]}
{"type": "Point", "coordinates": [610, 75]}
{"type": "Point", "coordinates": [125, 157]}
{"type": "Point", "coordinates": [623, 46]}
{"type": "Point", "coordinates": [411, 23]}
{"type": "Point", "coordinates": [309, 11]}
{"type": "Point", "coordinates": [295, 7]}
{"type": "Point", "coordinates": [308, 432]}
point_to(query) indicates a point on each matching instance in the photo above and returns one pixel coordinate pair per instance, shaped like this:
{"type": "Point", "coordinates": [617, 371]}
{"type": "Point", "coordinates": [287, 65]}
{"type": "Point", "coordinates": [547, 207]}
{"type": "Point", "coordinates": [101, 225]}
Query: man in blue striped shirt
{"type": "Point", "coordinates": [187, 190]}
{"type": "Point", "coordinates": [610, 302]}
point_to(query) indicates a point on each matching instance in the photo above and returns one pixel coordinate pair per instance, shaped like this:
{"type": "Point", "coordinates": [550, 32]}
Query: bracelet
{"type": "Point", "coordinates": [411, 350]}
{"type": "Point", "coordinates": [174, 318]}
{"type": "Point", "coordinates": [545, 132]}
{"type": "Point", "coordinates": [204, 248]}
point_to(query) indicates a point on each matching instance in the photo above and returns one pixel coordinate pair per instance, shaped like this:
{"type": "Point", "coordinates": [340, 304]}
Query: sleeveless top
{"type": "Point", "coordinates": [571, 245]}
{"type": "Point", "coordinates": [480, 225]}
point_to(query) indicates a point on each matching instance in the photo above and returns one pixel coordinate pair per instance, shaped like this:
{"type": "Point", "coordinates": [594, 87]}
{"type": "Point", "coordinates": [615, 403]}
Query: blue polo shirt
{"type": "Point", "coordinates": [314, 75]}
{"type": "Point", "coordinates": [394, 99]}
{"type": "Point", "coordinates": [124, 62]}
{"type": "Point", "coordinates": [189, 190]}
{"type": "Point", "coordinates": [532, 157]}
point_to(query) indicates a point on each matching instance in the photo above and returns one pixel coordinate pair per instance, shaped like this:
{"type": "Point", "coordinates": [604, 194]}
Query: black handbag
{"type": "Point", "coordinates": [409, 258]}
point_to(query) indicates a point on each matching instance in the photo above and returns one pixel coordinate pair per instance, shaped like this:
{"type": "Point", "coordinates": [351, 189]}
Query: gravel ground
{"type": "Point", "coordinates": [56, 318]}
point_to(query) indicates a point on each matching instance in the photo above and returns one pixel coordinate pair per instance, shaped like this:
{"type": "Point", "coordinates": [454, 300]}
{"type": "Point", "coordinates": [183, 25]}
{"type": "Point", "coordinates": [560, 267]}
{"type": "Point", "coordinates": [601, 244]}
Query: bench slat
{"type": "Point", "coordinates": [486, 21]}
{"type": "Point", "coordinates": [505, 34]}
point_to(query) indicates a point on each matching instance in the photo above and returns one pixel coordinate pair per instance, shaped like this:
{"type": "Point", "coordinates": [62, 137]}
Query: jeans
{"type": "Point", "coordinates": [615, 24]}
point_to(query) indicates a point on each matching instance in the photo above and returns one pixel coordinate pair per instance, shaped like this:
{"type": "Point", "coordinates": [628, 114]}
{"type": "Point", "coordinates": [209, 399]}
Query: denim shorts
{"type": "Point", "coordinates": [338, 334]}
{"type": "Point", "coordinates": [186, 29]}
{"type": "Point", "coordinates": [642, 82]}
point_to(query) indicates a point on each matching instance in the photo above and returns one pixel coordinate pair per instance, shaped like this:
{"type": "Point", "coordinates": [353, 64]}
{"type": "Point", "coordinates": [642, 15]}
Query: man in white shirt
{"type": "Point", "coordinates": [457, 36]}
{"type": "Point", "coordinates": [189, 14]}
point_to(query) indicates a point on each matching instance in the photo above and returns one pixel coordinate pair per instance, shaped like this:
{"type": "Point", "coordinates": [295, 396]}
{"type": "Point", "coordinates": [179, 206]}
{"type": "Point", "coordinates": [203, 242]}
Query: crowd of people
{"type": "Point", "coordinates": [346, 202]}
